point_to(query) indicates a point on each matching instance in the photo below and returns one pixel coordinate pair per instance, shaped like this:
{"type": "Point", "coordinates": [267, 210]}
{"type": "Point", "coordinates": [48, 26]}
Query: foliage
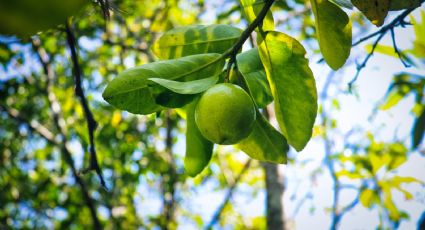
{"type": "Point", "coordinates": [154, 58]}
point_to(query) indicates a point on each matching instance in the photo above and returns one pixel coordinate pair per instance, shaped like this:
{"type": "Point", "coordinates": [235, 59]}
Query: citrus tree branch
{"type": "Point", "coordinates": [169, 180]}
{"type": "Point", "coordinates": [60, 126]}
{"type": "Point", "coordinates": [233, 51]}
{"type": "Point", "coordinates": [91, 123]}
{"type": "Point", "coordinates": [398, 21]}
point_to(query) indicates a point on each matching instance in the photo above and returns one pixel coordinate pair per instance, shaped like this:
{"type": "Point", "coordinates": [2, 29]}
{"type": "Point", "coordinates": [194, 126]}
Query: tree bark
{"type": "Point", "coordinates": [275, 188]}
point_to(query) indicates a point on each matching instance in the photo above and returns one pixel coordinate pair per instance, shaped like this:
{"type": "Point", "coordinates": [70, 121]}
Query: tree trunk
{"type": "Point", "coordinates": [275, 188]}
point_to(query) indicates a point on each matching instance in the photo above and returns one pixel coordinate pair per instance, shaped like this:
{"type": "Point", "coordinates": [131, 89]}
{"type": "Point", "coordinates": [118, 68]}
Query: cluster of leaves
{"type": "Point", "coordinates": [376, 169]}
{"type": "Point", "coordinates": [37, 187]}
{"type": "Point", "coordinates": [195, 60]}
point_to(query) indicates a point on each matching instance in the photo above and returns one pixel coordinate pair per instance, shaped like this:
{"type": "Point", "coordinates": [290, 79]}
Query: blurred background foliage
{"type": "Point", "coordinates": [44, 140]}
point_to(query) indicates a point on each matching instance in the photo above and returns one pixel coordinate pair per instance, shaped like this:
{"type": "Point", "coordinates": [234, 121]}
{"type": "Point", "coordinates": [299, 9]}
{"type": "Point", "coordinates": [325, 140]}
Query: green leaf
{"type": "Point", "coordinates": [397, 155]}
{"type": "Point", "coordinates": [333, 29]}
{"type": "Point", "coordinates": [368, 197]}
{"type": "Point", "coordinates": [418, 130]}
{"type": "Point", "coordinates": [170, 99]}
{"type": "Point", "coordinates": [396, 181]}
{"type": "Point", "coordinates": [195, 39]}
{"type": "Point", "coordinates": [390, 206]}
{"type": "Point", "coordinates": [393, 99]}
{"type": "Point", "coordinates": [252, 7]}
{"type": "Point", "coordinates": [419, 43]}
{"type": "Point", "coordinates": [265, 143]}
{"type": "Point", "coordinates": [343, 3]}
{"type": "Point", "coordinates": [251, 68]}
{"type": "Point", "coordinates": [404, 4]}
{"type": "Point", "coordinates": [293, 86]}
{"type": "Point", "coordinates": [187, 87]}
{"type": "Point", "coordinates": [351, 175]}
{"type": "Point", "coordinates": [129, 90]}
{"type": "Point", "coordinates": [198, 149]}
{"type": "Point", "coordinates": [374, 10]}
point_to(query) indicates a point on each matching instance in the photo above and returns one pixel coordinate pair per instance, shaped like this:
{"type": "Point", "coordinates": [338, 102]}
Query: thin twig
{"type": "Point", "coordinates": [398, 21]}
{"type": "Point", "coordinates": [397, 51]}
{"type": "Point", "coordinates": [91, 123]}
{"type": "Point", "coordinates": [226, 199]}
{"type": "Point", "coordinates": [60, 126]}
{"type": "Point", "coordinates": [105, 6]}
{"type": "Point", "coordinates": [233, 51]}
{"type": "Point", "coordinates": [363, 64]}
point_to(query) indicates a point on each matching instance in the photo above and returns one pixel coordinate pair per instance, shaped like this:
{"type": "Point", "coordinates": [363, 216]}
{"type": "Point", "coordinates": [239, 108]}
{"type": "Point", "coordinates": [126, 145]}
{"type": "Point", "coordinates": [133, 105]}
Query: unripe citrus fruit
{"type": "Point", "coordinates": [225, 114]}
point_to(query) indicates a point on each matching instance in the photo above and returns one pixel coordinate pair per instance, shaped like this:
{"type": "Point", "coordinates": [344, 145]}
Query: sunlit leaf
{"type": "Point", "coordinates": [392, 209]}
{"type": "Point", "coordinates": [419, 42]}
{"type": "Point", "coordinates": [196, 39]}
{"type": "Point", "coordinates": [350, 175]}
{"type": "Point", "coordinates": [252, 7]}
{"type": "Point", "coordinates": [397, 155]}
{"type": "Point", "coordinates": [397, 180]}
{"type": "Point", "coordinates": [394, 98]}
{"type": "Point", "coordinates": [333, 29]}
{"type": "Point", "coordinates": [293, 86]}
{"type": "Point", "coordinates": [368, 197]}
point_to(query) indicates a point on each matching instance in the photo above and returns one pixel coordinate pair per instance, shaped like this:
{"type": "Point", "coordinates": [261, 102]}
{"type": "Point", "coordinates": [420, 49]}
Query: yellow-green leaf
{"type": "Point", "coordinates": [195, 39]}
{"type": "Point", "coordinates": [251, 68]}
{"type": "Point", "coordinates": [198, 149]}
{"type": "Point", "coordinates": [418, 130]}
{"type": "Point", "coordinates": [265, 143]}
{"type": "Point", "coordinates": [333, 29]}
{"type": "Point", "coordinates": [252, 7]}
{"type": "Point", "coordinates": [293, 86]}
{"type": "Point", "coordinates": [368, 197]}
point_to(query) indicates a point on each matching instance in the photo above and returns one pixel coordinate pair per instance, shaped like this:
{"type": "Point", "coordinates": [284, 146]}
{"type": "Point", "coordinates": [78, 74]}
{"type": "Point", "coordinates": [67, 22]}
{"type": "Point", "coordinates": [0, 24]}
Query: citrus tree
{"type": "Point", "coordinates": [170, 77]}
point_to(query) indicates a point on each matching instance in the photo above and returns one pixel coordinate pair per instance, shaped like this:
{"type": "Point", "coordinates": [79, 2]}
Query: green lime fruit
{"type": "Point", "coordinates": [27, 17]}
{"type": "Point", "coordinates": [225, 114]}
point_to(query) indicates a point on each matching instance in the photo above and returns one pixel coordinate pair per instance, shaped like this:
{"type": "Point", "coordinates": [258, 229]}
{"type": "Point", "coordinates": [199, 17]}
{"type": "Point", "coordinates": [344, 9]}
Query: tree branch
{"type": "Point", "coordinates": [170, 179]}
{"type": "Point", "coordinates": [60, 125]}
{"type": "Point", "coordinates": [33, 125]}
{"type": "Point", "coordinates": [219, 211]}
{"type": "Point", "coordinates": [398, 21]}
{"type": "Point", "coordinates": [233, 51]}
{"type": "Point", "coordinates": [91, 123]}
